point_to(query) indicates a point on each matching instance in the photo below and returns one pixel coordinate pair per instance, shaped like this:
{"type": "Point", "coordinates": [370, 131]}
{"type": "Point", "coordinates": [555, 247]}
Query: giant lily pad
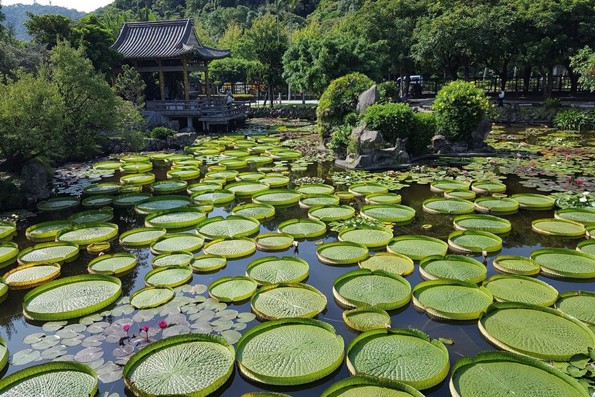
{"type": "Point", "coordinates": [8, 253]}
{"type": "Point", "coordinates": [231, 249]}
{"type": "Point", "coordinates": [506, 288]}
{"type": "Point", "coordinates": [587, 246]}
{"type": "Point", "coordinates": [207, 263]}
{"type": "Point", "coordinates": [162, 203]}
{"type": "Point", "coordinates": [488, 187]}
{"type": "Point", "coordinates": [88, 233]}
{"type": "Point", "coordinates": [232, 289]}
{"type": "Point", "coordinates": [101, 188]}
{"type": "Point", "coordinates": [578, 304]}
{"type": "Point", "coordinates": [272, 270]}
{"type": "Point", "coordinates": [364, 287]}
{"type": "Point", "coordinates": [170, 276]}
{"type": "Point", "coordinates": [514, 264]}
{"type": "Point", "coordinates": [32, 275]}
{"type": "Point", "coordinates": [277, 301]}
{"type": "Point", "coordinates": [231, 227]}
{"type": "Point", "coordinates": [534, 201]}
{"type": "Point", "coordinates": [558, 227]}
{"type": "Point", "coordinates": [331, 213]}
{"type": "Point", "coordinates": [169, 187]}
{"type": "Point", "coordinates": [454, 206]}
{"type": "Point", "coordinates": [7, 230]}
{"type": "Point", "coordinates": [150, 297]}
{"type": "Point", "coordinates": [471, 241]}
{"type": "Point", "coordinates": [388, 213]}
{"type": "Point", "coordinates": [361, 386]}
{"type": "Point", "coordinates": [181, 258]}
{"type": "Point", "coordinates": [303, 228]}
{"type": "Point", "coordinates": [274, 241]}
{"type": "Point", "coordinates": [365, 188]}
{"type": "Point", "coordinates": [277, 197]}
{"type": "Point", "coordinates": [452, 267]}
{"type": "Point", "coordinates": [371, 237]}
{"type": "Point", "coordinates": [319, 200]}
{"type": "Point", "coordinates": [142, 236]}
{"type": "Point", "coordinates": [138, 179]}
{"type": "Point", "coordinates": [398, 264]}
{"type": "Point", "coordinates": [180, 218]}
{"type": "Point", "coordinates": [585, 216]}
{"type": "Point", "coordinates": [482, 223]}
{"type": "Point", "coordinates": [56, 252]}
{"type": "Point", "coordinates": [366, 318]}
{"type": "Point", "coordinates": [417, 247]}
{"type": "Point", "coordinates": [131, 199]}
{"type": "Point", "coordinates": [112, 265]}
{"type": "Point", "coordinates": [315, 189]}
{"type": "Point", "coordinates": [289, 351]}
{"type": "Point", "coordinates": [496, 205]}
{"type": "Point", "coordinates": [341, 253]}
{"type": "Point", "coordinates": [256, 211]}
{"type": "Point", "coordinates": [451, 299]}
{"type": "Point", "coordinates": [441, 186]}
{"type": "Point", "coordinates": [98, 201]}
{"type": "Point", "coordinates": [45, 231]}
{"type": "Point", "coordinates": [58, 204]}
{"type": "Point", "coordinates": [383, 198]}
{"type": "Point", "coordinates": [246, 189]}
{"type": "Point", "coordinates": [564, 263]}
{"type": "Point", "coordinates": [172, 242]}
{"type": "Point", "coordinates": [92, 216]}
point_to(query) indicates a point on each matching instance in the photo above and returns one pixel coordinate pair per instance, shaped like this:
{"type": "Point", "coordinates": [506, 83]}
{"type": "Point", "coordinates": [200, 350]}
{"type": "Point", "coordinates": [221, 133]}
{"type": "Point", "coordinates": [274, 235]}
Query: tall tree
{"type": "Point", "coordinates": [49, 29]}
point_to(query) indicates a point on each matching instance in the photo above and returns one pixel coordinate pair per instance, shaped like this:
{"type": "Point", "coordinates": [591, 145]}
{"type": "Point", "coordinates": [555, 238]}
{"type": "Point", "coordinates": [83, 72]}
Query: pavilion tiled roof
{"type": "Point", "coordinates": [163, 39]}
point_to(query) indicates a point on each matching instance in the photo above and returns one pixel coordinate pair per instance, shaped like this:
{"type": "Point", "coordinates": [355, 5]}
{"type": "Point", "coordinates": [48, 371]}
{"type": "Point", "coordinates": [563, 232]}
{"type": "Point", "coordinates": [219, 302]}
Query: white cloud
{"type": "Point", "coordinates": [81, 5]}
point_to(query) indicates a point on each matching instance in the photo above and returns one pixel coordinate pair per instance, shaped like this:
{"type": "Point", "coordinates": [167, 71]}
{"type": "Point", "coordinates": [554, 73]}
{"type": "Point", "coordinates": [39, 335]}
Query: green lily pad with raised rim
{"type": "Point", "coordinates": [45, 231]}
{"type": "Point", "coordinates": [107, 165]}
{"type": "Point", "coordinates": [170, 276]}
{"type": "Point", "coordinates": [515, 374]}
{"type": "Point", "coordinates": [231, 227]}
{"type": "Point", "coordinates": [9, 252]}
{"type": "Point", "coordinates": [88, 233]}
{"type": "Point", "coordinates": [536, 202]}
{"type": "Point", "coordinates": [92, 216]}
{"type": "Point", "coordinates": [371, 237]}
{"type": "Point", "coordinates": [578, 304]}
{"type": "Point", "coordinates": [249, 176]}
{"type": "Point", "coordinates": [536, 331]}
{"type": "Point", "coordinates": [216, 197]}
{"type": "Point", "coordinates": [364, 188]}
{"type": "Point", "coordinates": [233, 289]}
{"type": "Point", "coordinates": [273, 270]}
{"type": "Point", "coordinates": [303, 228]}
{"type": "Point", "coordinates": [150, 297]}
{"type": "Point", "coordinates": [522, 289]}
{"type": "Point", "coordinates": [366, 318]}
{"type": "Point", "coordinates": [277, 197]}
{"type": "Point", "coordinates": [482, 223]}
{"type": "Point", "coordinates": [289, 352]}
{"type": "Point", "coordinates": [56, 252]}
{"type": "Point", "coordinates": [341, 253]}
{"type": "Point", "coordinates": [55, 379]}
{"type": "Point", "coordinates": [228, 175]}
{"type": "Point", "coordinates": [388, 213]}
{"type": "Point", "coordinates": [587, 246]}
{"type": "Point", "coordinates": [182, 258]}
{"type": "Point", "coordinates": [514, 264]}
{"type": "Point", "coordinates": [451, 299]}
{"type": "Point", "coordinates": [231, 249]}
{"type": "Point", "coordinates": [471, 241]}
{"type": "Point", "coordinates": [7, 230]}
{"type": "Point", "coordinates": [203, 187]}
{"type": "Point", "coordinates": [383, 198]}
{"type": "Point", "coordinates": [162, 203]}
{"type": "Point", "coordinates": [136, 167]}
{"type": "Point", "coordinates": [260, 212]}
{"type": "Point", "coordinates": [184, 365]}
{"type": "Point", "coordinates": [113, 265]}
{"type": "Point", "coordinates": [488, 187]}
{"type": "Point", "coordinates": [274, 241]}
{"type": "Point", "coordinates": [30, 276]}
{"type": "Point", "coordinates": [138, 179]}
{"type": "Point", "coordinates": [98, 201]}
{"type": "Point", "coordinates": [102, 188]}
{"type": "Point", "coordinates": [207, 263]}
{"type": "Point", "coordinates": [142, 236]}
{"type": "Point", "coordinates": [364, 287]}
{"type": "Point", "coordinates": [246, 189]}
{"type": "Point", "coordinates": [276, 301]}
{"type": "Point", "coordinates": [581, 215]}
{"type": "Point", "coordinates": [172, 242]}
{"type": "Point", "coordinates": [440, 186]}
{"type": "Point", "coordinates": [58, 204]}
{"type": "Point", "coordinates": [331, 213]}
{"type": "Point", "coordinates": [3, 291]}
{"type": "Point", "coordinates": [345, 195]}
{"type": "Point", "coordinates": [315, 189]}
{"type": "Point", "coordinates": [179, 218]}
{"type": "Point", "coordinates": [440, 205]}
{"type": "Point", "coordinates": [183, 173]}
{"type": "Point", "coordinates": [591, 232]}
{"type": "Point", "coordinates": [398, 264]}
{"type": "Point", "coordinates": [398, 354]}
{"type": "Point", "coordinates": [131, 199]}
{"type": "Point", "coordinates": [169, 186]}
{"type": "Point", "coordinates": [71, 297]}
{"type": "Point", "coordinates": [364, 386]}
{"type": "Point", "coordinates": [417, 247]}
{"type": "Point", "coordinates": [558, 227]}
{"type": "Point", "coordinates": [564, 263]}
{"type": "Point", "coordinates": [460, 194]}
{"type": "Point", "coordinates": [496, 205]}
{"type": "Point", "coordinates": [452, 267]}
{"type": "Point", "coordinates": [134, 158]}
{"type": "Point", "coordinates": [276, 180]}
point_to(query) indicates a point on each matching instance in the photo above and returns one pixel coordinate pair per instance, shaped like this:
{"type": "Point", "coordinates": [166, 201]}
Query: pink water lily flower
{"type": "Point", "coordinates": [126, 327]}
{"type": "Point", "coordinates": [145, 328]}
{"type": "Point", "coordinates": [162, 324]}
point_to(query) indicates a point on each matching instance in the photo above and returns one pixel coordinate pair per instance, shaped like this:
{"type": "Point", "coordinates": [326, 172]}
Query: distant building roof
{"type": "Point", "coordinates": [163, 39]}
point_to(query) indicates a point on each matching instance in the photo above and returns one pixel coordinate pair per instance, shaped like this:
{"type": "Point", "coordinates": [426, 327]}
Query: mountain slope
{"type": "Point", "coordinates": [16, 15]}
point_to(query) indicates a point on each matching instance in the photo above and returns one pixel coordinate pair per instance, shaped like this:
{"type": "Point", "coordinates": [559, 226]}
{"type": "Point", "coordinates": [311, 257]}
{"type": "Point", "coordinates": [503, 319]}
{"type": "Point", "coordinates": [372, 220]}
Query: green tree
{"type": "Point", "coordinates": [49, 29]}
{"type": "Point", "coordinates": [130, 86]}
{"type": "Point", "coordinates": [89, 33]}
{"type": "Point", "coordinates": [232, 70]}
{"type": "Point", "coordinates": [584, 63]}
{"type": "Point", "coordinates": [16, 55]}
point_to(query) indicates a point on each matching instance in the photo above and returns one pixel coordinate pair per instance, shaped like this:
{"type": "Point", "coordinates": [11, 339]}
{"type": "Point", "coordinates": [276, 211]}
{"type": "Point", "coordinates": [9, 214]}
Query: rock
{"type": "Point", "coordinates": [36, 182]}
{"type": "Point", "coordinates": [154, 144]}
{"type": "Point", "coordinates": [440, 144]}
{"type": "Point", "coordinates": [480, 133]}
{"type": "Point", "coordinates": [366, 99]}
{"type": "Point", "coordinates": [368, 141]}
{"type": "Point", "coordinates": [178, 141]}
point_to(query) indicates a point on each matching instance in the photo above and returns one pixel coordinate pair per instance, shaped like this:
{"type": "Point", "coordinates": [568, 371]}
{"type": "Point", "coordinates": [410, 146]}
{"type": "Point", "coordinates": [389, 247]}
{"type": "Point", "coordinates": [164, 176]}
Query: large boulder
{"type": "Point", "coordinates": [373, 153]}
{"type": "Point", "coordinates": [367, 99]}
{"type": "Point", "coordinates": [37, 182]}
{"type": "Point", "coordinates": [178, 141]}
{"type": "Point", "coordinates": [367, 141]}
{"type": "Point", "coordinates": [482, 131]}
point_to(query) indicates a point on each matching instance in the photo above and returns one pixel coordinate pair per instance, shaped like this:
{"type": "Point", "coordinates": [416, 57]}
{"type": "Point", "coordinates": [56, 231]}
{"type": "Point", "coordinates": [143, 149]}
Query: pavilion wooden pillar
{"type": "Point", "coordinates": [207, 85]}
{"type": "Point", "coordinates": [161, 81]}
{"type": "Point", "coordinates": [186, 80]}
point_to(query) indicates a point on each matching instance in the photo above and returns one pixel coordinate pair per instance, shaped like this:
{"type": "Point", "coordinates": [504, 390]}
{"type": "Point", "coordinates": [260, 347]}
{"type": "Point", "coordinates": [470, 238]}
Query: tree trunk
{"type": "Point", "coordinates": [504, 76]}
{"type": "Point", "coordinates": [573, 81]}
{"type": "Point", "coordinates": [548, 85]}
{"type": "Point", "coordinates": [526, 77]}
{"type": "Point", "coordinates": [270, 95]}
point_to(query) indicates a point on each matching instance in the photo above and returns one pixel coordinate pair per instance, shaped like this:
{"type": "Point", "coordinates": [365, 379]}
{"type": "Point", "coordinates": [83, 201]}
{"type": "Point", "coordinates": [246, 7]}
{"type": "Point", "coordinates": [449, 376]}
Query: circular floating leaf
{"type": "Point", "coordinates": [180, 218]}
{"type": "Point", "coordinates": [341, 253]}
{"type": "Point", "coordinates": [92, 216]}
{"type": "Point", "coordinates": [371, 237]}
{"type": "Point", "coordinates": [289, 351]}
{"type": "Point", "coordinates": [366, 318]}
{"type": "Point", "coordinates": [364, 287]}
{"type": "Point", "coordinates": [169, 187]}
{"type": "Point", "coordinates": [452, 267]}
{"type": "Point", "coordinates": [256, 211]}
{"type": "Point", "coordinates": [345, 196]}
{"type": "Point", "coordinates": [482, 223]}
{"type": "Point", "coordinates": [7, 230]}
{"type": "Point", "coordinates": [231, 227]}
{"type": "Point", "coordinates": [162, 203]}
{"type": "Point", "coordinates": [315, 189]}
{"type": "Point", "coordinates": [441, 186]}
{"type": "Point", "coordinates": [58, 204]}
{"type": "Point", "coordinates": [136, 167]}
{"type": "Point", "coordinates": [203, 187]}
{"type": "Point", "coordinates": [578, 304]}
{"type": "Point", "coordinates": [32, 275]}
{"type": "Point", "coordinates": [232, 289]}
{"type": "Point", "coordinates": [496, 205]}
{"type": "Point", "coordinates": [56, 252]}
{"type": "Point", "coordinates": [388, 213]}
{"type": "Point", "coordinates": [112, 265]}
{"type": "Point", "coordinates": [516, 375]}
{"type": "Point", "coordinates": [451, 299]}
{"type": "Point", "coordinates": [274, 241]}
{"type": "Point", "coordinates": [417, 247]}
{"type": "Point", "coordinates": [183, 173]}
{"type": "Point", "coordinates": [150, 297]}
{"type": "Point", "coordinates": [453, 206]}
{"type": "Point", "coordinates": [471, 241]}
{"type": "Point", "coordinates": [172, 242]}
{"type": "Point", "coordinates": [102, 188]}
{"type": "Point", "coordinates": [535, 331]}
{"type": "Point", "coordinates": [537, 202]}
{"type": "Point", "coordinates": [142, 236]}
{"type": "Point", "coordinates": [488, 187]}
{"type": "Point", "coordinates": [107, 165]}
{"type": "Point", "coordinates": [57, 379]}
{"type": "Point", "coordinates": [365, 188]}
{"type": "Point", "coordinates": [383, 198]}
{"type": "Point", "coordinates": [303, 228]}
{"type": "Point", "coordinates": [276, 301]}
{"type": "Point", "coordinates": [558, 227]}
{"type": "Point", "coordinates": [564, 263]}
{"type": "Point", "coordinates": [581, 215]}
{"type": "Point", "coordinates": [362, 386]}
{"type": "Point", "coordinates": [188, 365]}
{"type": "Point", "coordinates": [250, 176]}
{"type": "Point", "coordinates": [138, 179]}
{"type": "Point", "coordinates": [272, 270]}
{"type": "Point", "coordinates": [461, 194]}
{"type": "Point", "coordinates": [246, 189]}
{"type": "Point", "coordinates": [131, 199]}
{"type": "Point", "coordinates": [98, 201]}
{"type": "Point", "coordinates": [277, 197]}
{"type": "Point", "coordinates": [588, 247]}
{"type": "Point", "coordinates": [45, 231]}
{"type": "Point", "coordinates": [171, 276]}
{"type": "Point", "coordinates": [404, 355]}
{"type": "Point", "coordinates": [276, 180]}
{"type": "Point", "coordinates": [319, 200]}
{"type": "Point", "coordinates": [398, 264]}
{"type": "Point", "coordinates": [8, 253]}
{"type": "Point", "coordinates": [216, 197]}
{"type": "Point", "coordinates": [331, 213]}
{"type": "Point", "coordinates": [88, 233]}
{"type": "Point", "coordinates": [521, 289]}
{"type": "Point", "coordinates": [71, 297]}
{"type": "Point", "coordinates": [207, 263]}
{"type": "Point", "coordinates": [231, 249]}
{"type": "Point", "coordinates": [173, 259]}
{"type": "Point", "coordinates": [516, 265]}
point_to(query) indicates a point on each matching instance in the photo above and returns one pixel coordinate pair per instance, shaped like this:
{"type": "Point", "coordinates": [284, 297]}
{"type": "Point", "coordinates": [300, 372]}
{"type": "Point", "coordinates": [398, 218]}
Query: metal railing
{"type": "Point", "coordinates": [215, 108]}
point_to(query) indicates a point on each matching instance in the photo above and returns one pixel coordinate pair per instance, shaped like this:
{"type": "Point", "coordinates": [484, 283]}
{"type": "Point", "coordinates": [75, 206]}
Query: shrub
{"type": "Point", "coordinates": [161, 132]}
{"type": "Point", "coordinates": [340, 140]}
{"type": "Point", "coordinates": [552, 103]}
{"type": "Point", "coordinates": [459, 107]}
{"type": "Point", "coordinates": [338, 100]}
{"type": "Point", "coordinates": [573, 119]}
{"type": "Point", "coordinates": [392, 120]}
{"type": "Point", "coordinates": [425, 129]}
{"type": "Point", "coordinates": [388, 91]}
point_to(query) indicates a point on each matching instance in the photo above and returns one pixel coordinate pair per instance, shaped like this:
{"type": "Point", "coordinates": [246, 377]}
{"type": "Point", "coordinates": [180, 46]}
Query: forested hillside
{"type": "Point", "coordinates": [16, 15]}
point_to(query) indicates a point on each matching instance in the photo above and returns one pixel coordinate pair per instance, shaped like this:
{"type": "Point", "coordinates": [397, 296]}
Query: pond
{"type": "Point", "coordinates": [92, 344]}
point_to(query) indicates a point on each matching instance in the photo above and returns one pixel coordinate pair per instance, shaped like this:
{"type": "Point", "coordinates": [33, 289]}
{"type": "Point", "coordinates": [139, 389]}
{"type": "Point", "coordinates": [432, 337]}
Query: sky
{"type": "Point", "coordinates": [81, 5]}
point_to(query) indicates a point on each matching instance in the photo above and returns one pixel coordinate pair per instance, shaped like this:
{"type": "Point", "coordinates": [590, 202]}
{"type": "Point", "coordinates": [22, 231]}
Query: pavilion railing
{"type": "Point", "coordinates": [197, 108]}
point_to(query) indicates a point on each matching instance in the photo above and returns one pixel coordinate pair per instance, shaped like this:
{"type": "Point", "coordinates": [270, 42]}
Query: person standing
{"type": "Point", "coordinates": [501, 98]}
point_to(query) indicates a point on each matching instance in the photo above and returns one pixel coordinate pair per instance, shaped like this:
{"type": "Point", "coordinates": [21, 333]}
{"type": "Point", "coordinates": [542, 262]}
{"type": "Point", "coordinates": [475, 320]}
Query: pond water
{"type": "Point", "coordinates": [467, 339]}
